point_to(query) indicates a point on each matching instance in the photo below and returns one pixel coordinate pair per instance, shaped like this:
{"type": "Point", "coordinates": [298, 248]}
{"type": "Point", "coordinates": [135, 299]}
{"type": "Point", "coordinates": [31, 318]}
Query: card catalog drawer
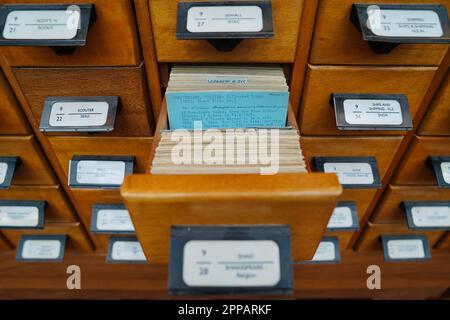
{"type": "Point", "coordinates": [281, 48]}
{"type": "Point", "coordinates": [317, 116]}
{"type": "Point", "coordinates": [111, 40]}
{"type": "Point", "coordinates": [13, 120]}
{"type": "Point", "coordinates": [134, 117]}
{"type": "Point", "coordinates": [32, 167]}
{"type": "Point", "coordinates": [416, 168]}
{"type": "Point", "coordinates": [57, 206]}
{"type": "Point", "coordinates": [437, 119]}
{"type": "Point", "coordinates": [337, 40]}
{"type": "Point", "coordinates": [444, 243]}
{"type": "Point", "coordinates": [370, 237]}
{"type": "Point", "coordinates": [66, 147]}
{"type": "Point", "coordinates": [383, 149]}
{"type": "Point", "coordinates": [78, 240]}
{"type": "Point", "coordinates": [390, 209]}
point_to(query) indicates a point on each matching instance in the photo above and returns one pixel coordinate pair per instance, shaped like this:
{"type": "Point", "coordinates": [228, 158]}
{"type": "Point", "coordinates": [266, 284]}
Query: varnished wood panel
{"type": "Point", "coordinates": [370, 237]}
{"type": "Point", "coordinates": [12, 120]}
{"type": "Point", "coordinates": [77, 238]}
{"type": "Point", "coordinates": [317, 116]}
{"type": "Point", "coordinates": [444, 243]}
{"type": "Point", "coordinates": [4, 244]}
{"type": "Point", "coordinates": [57, 207]}
{"type": "Point", "coordinates": [390, 208]}
{"type": "Point", "coordinates": [66, 147]}
{"type": "Point", "coordinates": [112, 40]}
{"type": "Point", "coordinates": [281, 48]}
{"type": "Point", "coordinates": [135, 117]}
{"type": "Point", "coordinates": [33, 168]}
{"type": "Point", "coordinates": [303, 201]}
{"type": "Point", "coordinates": [437, 119]}
{"type": "Point", "coordinates": [337, 41]}
{"type": "Point", "coordinates": [413, 169]}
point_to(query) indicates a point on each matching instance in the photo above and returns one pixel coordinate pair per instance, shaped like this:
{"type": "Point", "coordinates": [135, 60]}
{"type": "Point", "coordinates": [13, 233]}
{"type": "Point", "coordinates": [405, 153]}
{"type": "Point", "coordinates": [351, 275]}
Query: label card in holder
{"type": "Point", "coordinates": [441, 169]}
{"type": "Point", "coordinates": [22, 214]}
{"type": "Point", "coordinates": [371, 112]}
{"type": "Point", "coordinates": [353, 172]}
{"type": "Point", "coordinates": [125, 250]}
{"type": "Point", "coordinates": [230, 260]}
{"type": "Point", "coordinates": [327, 252]}
{"type": "Point", "coordinates": [224, 24]}
{"type": "Point", "coordinates": [426, 215]}
{"type": "Point", "coordinates": [59, 26]}
{"type": "Point", "coordinates": [41, 248]}
{"type": "Point", "coordinates": [7, 167]}
{"type": "Point", "coordinates": [79, 114]}
{"type": "Point", "coordinates": [99, 171]}
{"type": "Point", "coordinates": [344, 217]}
{"type": "Point", "coordinates": [384, 26]}
{"type": "Point", "coordinates": [111, 219]}
{"type": "Point", "coordinates": [405, 248]}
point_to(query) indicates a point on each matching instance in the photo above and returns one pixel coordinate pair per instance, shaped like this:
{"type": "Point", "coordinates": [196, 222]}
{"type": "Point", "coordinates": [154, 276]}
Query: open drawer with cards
{"type": "Point", "coordinates": [67, 33]}
{"type": "Point", "coordinates": [82, 101]}
{"type": "Point", "coordinates": [226, 31]}
{"type": "Point", "coordinates": [76, 237]}
{"type": "Point", "coordinates": [359, 100]}
{"type": "Point", "coordinates": [380, 32]}
{"type": "Point", "coordinates": [22, 162]}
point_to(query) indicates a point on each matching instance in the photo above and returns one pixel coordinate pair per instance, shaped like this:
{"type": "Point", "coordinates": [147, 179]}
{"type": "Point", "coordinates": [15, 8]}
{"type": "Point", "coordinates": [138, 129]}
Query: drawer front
{"type": "Point", "coordinates": [33, 168]}
{"type": "Point", "coordinates": [370, 237]}
{"type": "Point", "coordinates": [390, 209]}
{"type": "Point", "coordinates": [437, 119]}
{"type": "Point", "coordinates": [66, 147]}
{"type": "Point", "coordinates": [134, 117]}
{"type": "Point", "coordinates": [317, 116]}
{"type": "Point", "coordinates": [383, 149]}
{"type": "Point", "coordinates": [78, 240]}
{"type": "Point", "coordinates": [414, 169]}
{"type": "Point", "coordinates": [112, 40]}
{"type": "Point", "coordinates": [337, 41]}
{"type": "Point", "coordinates": [13, 120]}
{"type": "Point", "coordinates": [444, 243]}
{"type": "Point", "coordinates": [344, 237]}
{"type": "Point", "coordinates": [57, 207]}
{"type": "Point", "coordinates": [281, 48]}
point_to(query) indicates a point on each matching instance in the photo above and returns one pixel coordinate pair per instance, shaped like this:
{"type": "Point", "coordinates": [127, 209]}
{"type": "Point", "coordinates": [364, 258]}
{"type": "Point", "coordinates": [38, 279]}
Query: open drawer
{"type": "Point", "coordinates": [304, 201]}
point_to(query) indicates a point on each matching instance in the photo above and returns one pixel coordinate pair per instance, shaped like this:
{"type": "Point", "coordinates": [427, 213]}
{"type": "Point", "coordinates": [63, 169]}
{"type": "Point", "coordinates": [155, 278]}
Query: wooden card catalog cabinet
{"type": "Point", "coordinates": [302, 201]}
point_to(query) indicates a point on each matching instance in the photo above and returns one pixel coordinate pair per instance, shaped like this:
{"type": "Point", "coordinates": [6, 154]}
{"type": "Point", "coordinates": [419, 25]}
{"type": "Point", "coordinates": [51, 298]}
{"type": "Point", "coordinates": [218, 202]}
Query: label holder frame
{"type": "Point", "coordinates": [337, 252]}
{"type": "Point", "coordinates": [40, 204]}
{"type": "Point", "coordinates": [355, 218]}
{"type": "Point", "coordinates": [408, 205]}
{"type": "Point", "coordinates": [384, 239]}
{"type": "Point", "coordinates": [111, 242]}
{"type": "Point", "coordinates": [434, 162]}
{"type": "Point", "coordinates": [96, 207]}
{"type": "Point", "coordinates": [13, 163]}
{"type": "Point", "coordinates": [62, 238]}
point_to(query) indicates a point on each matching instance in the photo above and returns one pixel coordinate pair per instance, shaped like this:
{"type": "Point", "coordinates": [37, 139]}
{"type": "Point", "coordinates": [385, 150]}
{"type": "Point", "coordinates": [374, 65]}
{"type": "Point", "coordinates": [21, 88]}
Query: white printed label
{"type": "Point", "coordinates": [41, 249]}
{"type": "Point", "coordinates": [406, 249]}
{"type": "Point", "coordinates": [3, 171]}
{"type": "Point", "coordinates": [325, 252]}
{"type": "Point", "coordinates": [231, 263]}
{"type": "Point", "coordinates": [432, 216]}
{"type": "Point", "coordinates": [78, 114]}
{"type": "Point", "coordinates": [445, 169]}
{"type": "Point", "coordinates": [341, 218]}
{"type": "Point", "coordinates": [100, 172]}
{"type": "Point", "coordinates": [373, 112]}
{"type": "Point", "coordinates": [41, 25]}
{"type": "Point", "coordinates": [351, 172]}
{"type": "Point", "coordinates": [225, 19]}
{"type": "Point", "coordinates": [114, 220]}
{"type": "Point", "coordinates": [127, 251]}
{"type": "Point", "coordinates": [405, 23]}
{"type": "Point", "coordinates": [19, 216]}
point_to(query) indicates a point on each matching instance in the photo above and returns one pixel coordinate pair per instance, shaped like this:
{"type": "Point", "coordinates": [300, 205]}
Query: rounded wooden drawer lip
{"type": "Point", "coordinates": [370, 236]}
{"type": "Point", "coordinates": [103, 48]}
{"type": "Point", "coordinates": [78, 239]}
{"type": "Point", "coordinates": [317, 116]}
{"type": "Point", "coordinates": [58, 207]}
{"type": "Point", "coordinates": [390, 208]}
{"type": "Point", "coordinates": [281, 48]}
{"type": "Point", "coordinates": [32, 167]}
{"type": "Point", "coordinates": [337, 41]}
{"type": "Point", "coordinates": [415, 168]}
{"type": "Point", "coordinates": [134, 118]}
